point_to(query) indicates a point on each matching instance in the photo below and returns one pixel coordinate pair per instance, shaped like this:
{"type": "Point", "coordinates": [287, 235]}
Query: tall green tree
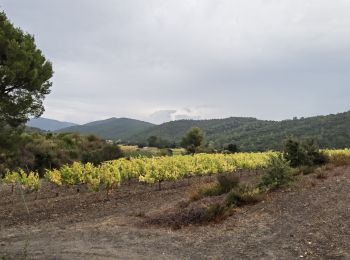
{"type": "Point", "coordinates": [24, 75]}
{"type": "Point", "coordinates": [193, 139]}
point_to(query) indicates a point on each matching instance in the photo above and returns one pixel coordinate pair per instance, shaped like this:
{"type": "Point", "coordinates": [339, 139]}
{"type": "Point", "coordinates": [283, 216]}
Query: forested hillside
{"type": "Point", "coordinates": [250, 134]}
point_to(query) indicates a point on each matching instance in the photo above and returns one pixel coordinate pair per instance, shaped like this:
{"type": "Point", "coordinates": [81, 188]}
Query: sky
{"type": "Point", "coordinates": [162, 60]}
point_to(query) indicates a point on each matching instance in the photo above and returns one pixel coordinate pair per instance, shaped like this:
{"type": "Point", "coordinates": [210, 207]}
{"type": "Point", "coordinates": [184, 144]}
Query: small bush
{"type": "Point", "coordinates": [224, 184]}
{"type": "Point", "coordinates": [238, 196]}
{"type": "Point", "coordinates": [321, 175]}
{"type": "Point", "coordinates": [213, 212]}
{"type": "Point", "coordinates": [227, 182]}
{"type": "Point", "coordinates": [166, 152]}
{"type": "Point", "coordinates": [305, 170]}
{"type": "Point", "coordinates": [277, 174]}
{"type": "Point", "coordinates": [242, 195]}
{"type": "Point", "coordinates": [322, 172]}
{"type": "Point", "coordinates": [206, 190]}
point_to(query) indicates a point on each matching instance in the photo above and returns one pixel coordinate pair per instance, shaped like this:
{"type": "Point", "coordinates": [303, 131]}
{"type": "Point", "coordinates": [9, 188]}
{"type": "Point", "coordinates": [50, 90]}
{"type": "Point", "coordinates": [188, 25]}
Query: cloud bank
{"type": "Point", "coordinates": [153, 59]}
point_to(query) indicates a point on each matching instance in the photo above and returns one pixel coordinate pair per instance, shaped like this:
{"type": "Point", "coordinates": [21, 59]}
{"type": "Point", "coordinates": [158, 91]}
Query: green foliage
{"type": "Point", "coordinates": [25, 75]}
{"type": "Point", "coordinates": [193, 139]}
{"type": "Point", "coordinates": [303, 153]}
{"type": "Point", "coordinates": [277, 174]}
{"type": "Point", "coordinates": [152, 141]}
{"type": "Point", "coordinates": [11, 177]}
{"type": "Point", "coordinates": [102, 177]}
{"type": "Point", "coordinates": [37, 152]}
{"type": "Point", "coordinates": [232, 148]}
{"type": "Point", "coordinates": [30, 181]}
{"type": "Point", "coordinates": [253, 135]}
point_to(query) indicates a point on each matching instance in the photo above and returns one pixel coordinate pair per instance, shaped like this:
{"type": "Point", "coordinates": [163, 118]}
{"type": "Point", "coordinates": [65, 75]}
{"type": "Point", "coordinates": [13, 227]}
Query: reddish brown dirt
{"type": "Point", "coordinates": [309, 220]}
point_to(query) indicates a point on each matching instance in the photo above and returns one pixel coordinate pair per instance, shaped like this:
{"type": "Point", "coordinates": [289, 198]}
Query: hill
{"type": "Point", "coordinates": [48, 124]}
{"type": "Point", "coordinates": [331, 131]}
{"type": "Point", "coordinates": [112, 128]}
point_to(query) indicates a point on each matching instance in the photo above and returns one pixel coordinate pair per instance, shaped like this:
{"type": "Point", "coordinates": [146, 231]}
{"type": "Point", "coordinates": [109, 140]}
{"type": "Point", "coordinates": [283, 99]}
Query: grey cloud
{"type": "Point", "coordinates": [270, 59]}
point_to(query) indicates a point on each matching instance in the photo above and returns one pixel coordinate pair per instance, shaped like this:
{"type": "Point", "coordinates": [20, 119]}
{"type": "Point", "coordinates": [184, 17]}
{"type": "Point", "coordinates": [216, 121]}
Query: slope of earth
{"type": "Point", "coordinates": [309, 220]}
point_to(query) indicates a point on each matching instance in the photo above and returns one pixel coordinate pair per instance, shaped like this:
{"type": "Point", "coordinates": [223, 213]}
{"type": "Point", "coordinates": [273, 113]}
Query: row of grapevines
{"type": "Point", "coordinates": [150, 170]}
{"type": "Point", "coordinates": [338, 157]}
{"type": "Point", "coordinates": [30, 181]}
{"type": "Point", "coordinates": [331, 153]}
{"type": "Point", "coordinates": [103, 177]}
{"type": "Point", "coordinates": [156, 169]}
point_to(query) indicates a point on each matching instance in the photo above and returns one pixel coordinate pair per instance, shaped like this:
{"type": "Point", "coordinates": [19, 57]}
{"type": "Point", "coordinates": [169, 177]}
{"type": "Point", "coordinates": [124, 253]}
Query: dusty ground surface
{"type": "Point", "coordinates": [310, 220]}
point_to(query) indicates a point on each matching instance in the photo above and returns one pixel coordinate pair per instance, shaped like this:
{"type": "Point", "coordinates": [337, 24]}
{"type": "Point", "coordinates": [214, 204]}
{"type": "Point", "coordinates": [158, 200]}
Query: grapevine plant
{"type": "Point", "coordinates": [111, 174]}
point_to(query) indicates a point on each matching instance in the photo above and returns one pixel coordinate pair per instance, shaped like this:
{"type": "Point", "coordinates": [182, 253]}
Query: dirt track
{"type": "Point", "coordinates": [310, 220]}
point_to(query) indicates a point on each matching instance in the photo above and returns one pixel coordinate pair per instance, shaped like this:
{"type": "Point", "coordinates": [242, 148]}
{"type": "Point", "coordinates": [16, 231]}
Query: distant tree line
{"type": "Point", "coordinates": [251, 135]}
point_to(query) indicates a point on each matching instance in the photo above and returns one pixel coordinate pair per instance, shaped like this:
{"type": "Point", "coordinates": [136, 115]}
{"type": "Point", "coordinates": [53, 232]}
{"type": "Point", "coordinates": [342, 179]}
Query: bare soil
{"type": "Point", "coordinates": [309, 220]}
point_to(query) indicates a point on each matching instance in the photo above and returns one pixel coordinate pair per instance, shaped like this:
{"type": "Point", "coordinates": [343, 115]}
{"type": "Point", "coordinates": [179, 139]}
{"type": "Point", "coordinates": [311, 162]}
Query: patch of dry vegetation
{"type": "Point", "coordinates": [213, 202]}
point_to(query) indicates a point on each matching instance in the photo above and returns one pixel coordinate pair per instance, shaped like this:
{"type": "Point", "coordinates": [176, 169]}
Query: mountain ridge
{"type": "Point", "coordinates": [110, 128]}
{"type": "Point", "coordinates": [249, 133]}
{"type": "Point", "coordinates": [48, 124]}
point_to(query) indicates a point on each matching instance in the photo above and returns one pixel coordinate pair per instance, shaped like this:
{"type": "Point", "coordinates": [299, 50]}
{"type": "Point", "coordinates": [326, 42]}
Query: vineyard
{"type": "Point", "coordinates": [111, 174]}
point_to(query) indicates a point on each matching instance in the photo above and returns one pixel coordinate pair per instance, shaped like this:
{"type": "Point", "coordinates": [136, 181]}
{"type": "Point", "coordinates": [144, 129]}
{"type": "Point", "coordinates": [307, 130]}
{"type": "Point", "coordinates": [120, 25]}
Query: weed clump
{"type": "Point", "coordinates": [305, 170]}
{"type": "Point", "coordinates": [340, 159]}
{"type": "Point", "coordinates": [207, 190]}
{"type": "Point", "coordinates": [243, 195]}
{"type": "Point", "coordinates": [224, 184]}
{"type": "Point", "coordinates": [227, 182]}
{"type": "Point", "coordinates": [215, 211]}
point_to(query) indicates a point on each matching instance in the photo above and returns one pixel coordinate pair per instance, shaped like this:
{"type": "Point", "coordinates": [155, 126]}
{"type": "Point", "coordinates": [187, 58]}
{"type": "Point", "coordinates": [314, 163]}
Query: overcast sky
{"type": "Point", "coordinates": [160, 60]}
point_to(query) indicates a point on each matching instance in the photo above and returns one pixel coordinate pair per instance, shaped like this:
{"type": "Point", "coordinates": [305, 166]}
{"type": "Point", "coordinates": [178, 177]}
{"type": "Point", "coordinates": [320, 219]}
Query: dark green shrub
{"type": "Point", "coordinates": [294, 153]}
{"type": "Point", "coordinates": [232, 148]}
{"type": "Point", "coordinates": [313, 154]}
{"type": "Point", "coordinates": [277, 174]}
{"type": "Point", "coordinates": [193, 139]}
{"type": "Point", "coordinates": [305, 153]}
